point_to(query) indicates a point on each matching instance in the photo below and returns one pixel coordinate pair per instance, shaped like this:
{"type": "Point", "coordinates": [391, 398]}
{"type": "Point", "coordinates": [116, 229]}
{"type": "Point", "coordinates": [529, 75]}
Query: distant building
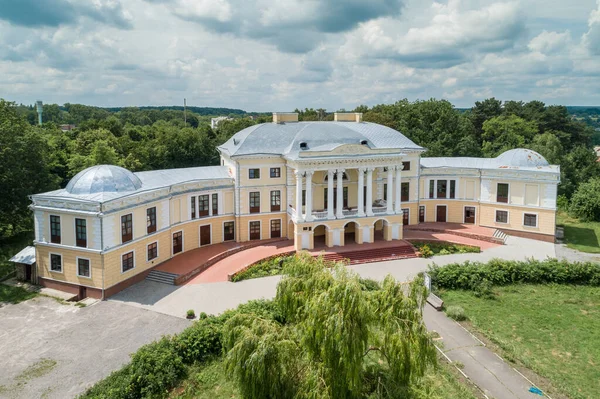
{"type": "Point", "coordinates": [66, 128]}
{"type": "Point", "coordinates": [214, 122]}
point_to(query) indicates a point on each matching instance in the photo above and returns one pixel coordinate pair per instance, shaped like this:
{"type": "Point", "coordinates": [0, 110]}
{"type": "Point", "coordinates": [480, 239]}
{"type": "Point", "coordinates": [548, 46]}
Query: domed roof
{"type": "Point", "coordinates": [521, 157]}
{"type": "Point", "coordinates": [103, 179]}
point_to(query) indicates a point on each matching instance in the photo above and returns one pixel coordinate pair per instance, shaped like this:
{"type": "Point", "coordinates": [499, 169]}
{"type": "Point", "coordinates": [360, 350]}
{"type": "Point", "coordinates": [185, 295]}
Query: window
{"type": "Point", "coordinates": [406, 165]}
{"type": "Point", "coordinates": [228, 231]}
{"type": "Point", "coordinates": [255, 230]}
{"type": "Point", "coordinates": [276, 228]}
{"type": "Point", "coordinates": [56, 263]}
{"type": "Point", "coordinates": [151, 219]}
{"type": "Point", "coordinates": [404, 191]}
{"type": "Point", "coordinates": [80, 233]}
{"type": "Point", "coordinates": [177, 242]}
{"type": "Point", "coordinates": [275, 172]}
{"type": "Point", "coordinates": [431, 188]}
{"type": "Point", "coordinates": [385, 191]}
{"type": "Point", "coordinates": [502, 194]}
{"type": "Point", "coordinates": [203, 206]}
{"type": "Point", "coordinates": [255, 202]}
{"type": "Point", "coordinates": [275, 201]}
{"type": "Point", "coordinates": [55, 229]}
{"type": "Point", "coordinates": [530, 219]}
{"type": "Point", "coordinates": [152, 251]}
{"type": "Point", "coordinates": [254, 173]}
{"type": "Point", "coordinates": [303, 197]}
{"type": "Point", "coordinates": [193, 207]}
{"type": "Point", "coordinates": [452, 188]}
{"type": "Point", "coordinates": [421, 214]}
{"type": "Point", "coordinates": [126, 228]}
{"type": "Point", "coordinates": [215, 204]}
{"type": "Point", "coordinates": [83, 268]}
{"type": "Point", "coordinates": [441, 188]}
{"type": "Point", "coordinates": [501, 216]}
{"type": "Point", "coordinates": [127, 262]}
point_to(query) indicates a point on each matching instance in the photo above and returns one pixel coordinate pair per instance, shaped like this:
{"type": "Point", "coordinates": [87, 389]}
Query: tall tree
{"type": "Point", "coordinates": [504, 133]}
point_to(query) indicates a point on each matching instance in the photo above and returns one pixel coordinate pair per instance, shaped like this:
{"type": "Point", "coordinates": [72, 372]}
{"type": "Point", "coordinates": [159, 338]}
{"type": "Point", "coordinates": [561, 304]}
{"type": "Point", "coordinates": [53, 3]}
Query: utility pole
{"type": "Point", "coordinates": [184, 115]}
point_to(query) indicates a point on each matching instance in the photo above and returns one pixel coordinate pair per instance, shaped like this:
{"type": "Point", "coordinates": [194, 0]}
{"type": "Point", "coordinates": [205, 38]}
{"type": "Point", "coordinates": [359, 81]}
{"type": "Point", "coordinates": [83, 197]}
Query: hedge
{"type": "Point", "coordinates": [471, 275]}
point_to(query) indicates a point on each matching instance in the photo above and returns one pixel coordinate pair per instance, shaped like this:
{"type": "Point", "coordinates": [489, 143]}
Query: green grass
{"type": "Point", "coordinates": [10, 247]}
{"type": "Point", "coordinates": [445, 248]}
{"type": "Point", "coordinates": [553, 330]}
{"type": "Point", "coordinates": [582, 236]}
{"type": "Point", "coordinates": [9, 294]}
{"type": "Point", "coordinates": [266, 268]}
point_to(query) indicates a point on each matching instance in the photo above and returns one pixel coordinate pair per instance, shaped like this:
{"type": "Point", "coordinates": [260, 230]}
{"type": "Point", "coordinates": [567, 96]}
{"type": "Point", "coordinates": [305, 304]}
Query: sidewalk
{"type": "Point", "coordinates": [496, 378]}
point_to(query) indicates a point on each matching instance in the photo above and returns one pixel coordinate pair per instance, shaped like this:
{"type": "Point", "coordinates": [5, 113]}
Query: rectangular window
{"type": "Point", "coordinates": [177, 242]}
{"type": "Point", "coordinates": [452, 188]}
{"type": "Point", "coordinates": [275, 172]}
{"type": "Point", "coordinates": [275, 201]}
{"type": "Point", "coordinates": [126, 228]}
{"type": "Point", "coordinates": [530, 219]}
{"type": "Point", "coordinates": [203, 205]}
{"type": "Point", "coordinates": [56, 263]}
{"type": "Point", "coordinates": [228, 231]}
{"type": "Point", "coordinates": [502, 194]}
{"type": "Point", "coordinates": [255, 202]}
{"type": "Point", "coordinates": [152, 251]}
{"type": "Point", "coordinates": [55, 229]}
{"type": "Point", "coordinates": [254, 173]}
{"type": "Point", "coordinates": [255, 230]}
{"type": "Point", "coordinates": [215, 204]}
{"type": "Point", "coordinates": [127, 262]}
{"type": "Point", "coordinates": [276, 228]}
{"type": "Point", "coordinates": [80, 233]}
{"type": "Point", "coordinates": [303, 197]}
{"type": "Point", "coordinates": [385, 191]}
{"type": "Point", "coordinates": [431, 188]}
{"type": "Point", "coordinates": [151, 220]}
{"type": "Point", "coordinates": [406, 165]}
{"type": "Point", "coordinates": [501, 216]}
{"type": "Point", "coordinates": [345, 197]}
{"type": "Point", "coordinates": [421, 214]}
{"type": "Point", "coordinates": [441, 188]}
{"type": "Point", "coordinates": [193, 207]}
{"type": "Point", "coordinates": [83, 268]}
{"type": "Point", "coordinates": [404, 191]}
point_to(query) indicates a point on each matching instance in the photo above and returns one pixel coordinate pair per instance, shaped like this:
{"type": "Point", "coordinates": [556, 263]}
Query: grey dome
{"type": "Point", "coordinates": [103, 179]}
{"type": "Point", "coordinates": [521, 157]}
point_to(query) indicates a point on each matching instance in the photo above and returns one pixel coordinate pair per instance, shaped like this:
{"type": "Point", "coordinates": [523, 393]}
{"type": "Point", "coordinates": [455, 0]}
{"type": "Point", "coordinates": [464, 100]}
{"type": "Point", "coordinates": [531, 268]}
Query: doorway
{"type": "Point", "coordinates": [177, 242]}
{"type": "Point", "coordinates": [441, 214]}
{"type": "Point", "coordinates": [205, 235]}
{"type": "Point", "coordinates": [470, 214]}
{"type": "Point", "coordinates": [421, 214]}
{"type": "Point", "coordinates": [82, 293]}
{"type": "Point", "coordinates": [405, 216]}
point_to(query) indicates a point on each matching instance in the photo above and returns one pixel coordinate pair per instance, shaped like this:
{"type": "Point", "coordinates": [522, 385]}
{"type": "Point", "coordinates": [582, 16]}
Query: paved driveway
{"type": "Point", "coordinates": [52, 350]}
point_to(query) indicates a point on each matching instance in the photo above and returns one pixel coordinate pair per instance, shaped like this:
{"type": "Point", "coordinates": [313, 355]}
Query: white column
{"type": "Point", "coordinates": [369, 191]}
{"type": "Point", "coordinates": [330, 174]}
{"type": "Point", "coordinates": [298, 174]}
{"type": "Point", "coordinates": [390, 192]}
{"type": "Point", "coordinates": [340, 194]}
{"type": "Point", "coordinates": [398, 189]}
{"type": "Point", "coordinates": [309, 198]}
{"type": "Point", "coordinates": [361, 185]}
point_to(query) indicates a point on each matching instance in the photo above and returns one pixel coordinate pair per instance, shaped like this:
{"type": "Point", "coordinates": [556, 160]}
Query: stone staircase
{"type": "Point", "coordinates": [373, 255]}
{"type": "Point", "coordinates": [499, 234]}
{"type": "Point", "coordinates": [162, 277]}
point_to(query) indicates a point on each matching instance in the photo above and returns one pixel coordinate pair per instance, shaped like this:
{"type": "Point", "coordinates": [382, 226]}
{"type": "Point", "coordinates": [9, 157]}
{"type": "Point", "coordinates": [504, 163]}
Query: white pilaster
{"type": "Point", "coordinates": [298, 174]}
{"type": "Point", "coordinates": [361, 184]}
{"type": "Point", "coordinates": [398, 189]}
{"type": "Point", "coordinates": [309, 199]}
{"type": "Point", "coordinates": [330, 174]}
{"type": "Point", "coordinates": [390, 192]}
{"type": "Point", "coordinates": [369, 191]}
{"type": "Point", "coordinates": [340, 194]}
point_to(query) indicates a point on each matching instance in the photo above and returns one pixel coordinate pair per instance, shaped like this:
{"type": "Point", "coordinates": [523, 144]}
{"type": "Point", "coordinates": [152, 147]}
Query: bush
{"type": "Point", "coordinates": [269, 267]}
{"type": "Point", "coordinates": [369, 284]}
{"type": "Point", "coordinates": [444, 248]}
{"type": "Point", "coordinates": [201, 340]}
{"type": "Point", "coordinates": [202, 315]}
{"type": "Point", "coordinates": [190, 314]}
{"type": "Point", "coordinates": [425, 251]}
{"type": "Point", "coordinates": [456, 312]}
{"type": "Point", "coordinates": [585, 202]}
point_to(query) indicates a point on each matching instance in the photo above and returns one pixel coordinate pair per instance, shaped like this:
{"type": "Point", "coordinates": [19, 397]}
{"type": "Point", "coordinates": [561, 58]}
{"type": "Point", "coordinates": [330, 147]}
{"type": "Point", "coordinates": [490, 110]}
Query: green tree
{"type": "Point", "coordinates": [549, 146]}
{"type": "Point", "coordinates": [482, 111]}
{"type": "Point", "coordinates": [578, 166]}
{"type": "Point", "coordinates": [504, 133]}
{"type": "Point", "coordinates": [585, 202]}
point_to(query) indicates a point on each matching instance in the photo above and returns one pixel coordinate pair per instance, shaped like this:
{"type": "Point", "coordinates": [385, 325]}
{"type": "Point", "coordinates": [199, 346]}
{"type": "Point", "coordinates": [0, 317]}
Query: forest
{"type": "Point", "coordinates": [36, 158]}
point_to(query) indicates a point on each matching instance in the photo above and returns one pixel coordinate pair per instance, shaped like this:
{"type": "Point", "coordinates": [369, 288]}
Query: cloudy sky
{"type": "Point", "coordinates": [265, 55]}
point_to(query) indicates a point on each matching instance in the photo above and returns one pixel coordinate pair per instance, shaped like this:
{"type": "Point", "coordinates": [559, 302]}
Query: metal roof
{"type": "Point", "coordinates": [284, 138]}
{"type": "Point", "coordinates": [103, 179]}
{"type": "Point", "coordinates": [25, 256]}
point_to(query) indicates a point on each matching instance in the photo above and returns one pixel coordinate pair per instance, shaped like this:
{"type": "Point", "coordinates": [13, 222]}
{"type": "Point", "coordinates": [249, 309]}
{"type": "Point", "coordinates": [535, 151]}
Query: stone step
{"type": "Point", "coordinates": [162, 277]}
{"type": "Point", "coordinates": [500, 235]}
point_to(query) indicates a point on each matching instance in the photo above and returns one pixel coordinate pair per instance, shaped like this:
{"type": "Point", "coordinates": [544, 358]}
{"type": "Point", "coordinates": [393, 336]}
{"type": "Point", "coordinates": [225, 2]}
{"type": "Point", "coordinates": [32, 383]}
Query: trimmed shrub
{"type": "Point", "coordinates": [116, 385]}
{"type": "Point", "coordinates": [190, 314]}
{"type": "Point", "coordinates": [199, 341]}
{"type": "Point", "coordinates": [456, 312]}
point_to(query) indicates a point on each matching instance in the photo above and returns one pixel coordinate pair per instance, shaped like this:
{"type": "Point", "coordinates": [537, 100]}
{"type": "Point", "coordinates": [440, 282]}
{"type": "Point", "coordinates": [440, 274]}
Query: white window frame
{"type": "Point", "coordinates": [507, 216]}
{"type": "Point", "coordinates": [125, 253]}
{"type": "Point", "coordinates": [436, 208]}
{"type": "Point", "coordinates": [270, 220]}
{"type": "Point", "coordinates": [537, 220]}
{"type": "Point", "coordinates": [77, 266]}
{"type": "Point", "coordinates": [50, 228]}
{"type": "Point", "coordinates": [75, 231]}
{"type": "Point", "coordinates": [508, 200]}
{"type": "Point", "coordinates": [62, 263]}
{"type": "Point", "coordinates": [476, 213]}
{"type": "Point", "coordinates": [157, 249]}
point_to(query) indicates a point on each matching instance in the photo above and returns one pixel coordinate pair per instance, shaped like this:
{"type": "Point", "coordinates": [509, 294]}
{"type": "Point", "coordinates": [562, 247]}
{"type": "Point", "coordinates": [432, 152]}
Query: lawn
{"type": "Point", "coordinates": [10, 294]}
{"type": "Point", "coordinates": [428, 249]}
{"type": "Point", "coordinates": [553, 330]}
{"type": "Point", "coordinates": [582, 236]}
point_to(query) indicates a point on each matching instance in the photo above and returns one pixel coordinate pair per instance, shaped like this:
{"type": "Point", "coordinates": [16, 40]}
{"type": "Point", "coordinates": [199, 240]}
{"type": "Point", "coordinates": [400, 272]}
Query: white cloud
{"type": "Point", "coordinates": [549, 42]}
{"type": "Point", "coordinates": [591, 39]}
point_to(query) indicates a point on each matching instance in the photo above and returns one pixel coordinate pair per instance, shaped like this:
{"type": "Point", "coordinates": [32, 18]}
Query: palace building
{"type": "Point", "coordinates": [317, 183]}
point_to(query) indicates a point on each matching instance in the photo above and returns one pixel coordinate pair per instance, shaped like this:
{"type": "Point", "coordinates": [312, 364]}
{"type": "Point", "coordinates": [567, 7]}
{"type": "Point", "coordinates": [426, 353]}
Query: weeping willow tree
{"type": "Point", "coordinates": [336, 339]}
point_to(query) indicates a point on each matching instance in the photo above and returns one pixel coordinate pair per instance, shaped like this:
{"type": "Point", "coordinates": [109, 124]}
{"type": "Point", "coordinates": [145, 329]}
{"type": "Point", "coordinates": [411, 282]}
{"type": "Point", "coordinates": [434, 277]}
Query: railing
{"type": "Point", "coordinates": [319, 215]}
{"type": "Point", "coordinates": [379, 210]}
{"type": "Point", "coordinates": [350, 212]}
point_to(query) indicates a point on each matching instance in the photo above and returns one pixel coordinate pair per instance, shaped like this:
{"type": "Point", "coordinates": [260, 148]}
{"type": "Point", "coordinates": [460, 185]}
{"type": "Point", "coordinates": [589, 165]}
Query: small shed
{"type": "Point", "coordinates": [25, 265]}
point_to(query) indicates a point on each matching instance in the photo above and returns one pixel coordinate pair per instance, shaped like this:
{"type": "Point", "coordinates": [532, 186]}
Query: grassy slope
{"type": "Point", "coordinates": [9, 247]}
{"type": "Point", "coordinates": [553, 330]}
{"type": "Point", "coordinates": [582, 236]}
{"type": "Point", "coordinates": [10, 294]}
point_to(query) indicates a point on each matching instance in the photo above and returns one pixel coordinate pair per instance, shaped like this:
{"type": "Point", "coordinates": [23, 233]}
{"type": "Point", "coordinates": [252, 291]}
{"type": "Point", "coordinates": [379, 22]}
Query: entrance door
{"type": "Point", "coordinates": [421, 214]}
{"type": "Point", "coordinates": [205, 235]}
{"type": "Point", "coordinates": [470, 214]}
{"type": "Point", "coordinates": [405, 216]}
{"type": "Point", "coordinates": [177, 242]}
{"type": "Point", "coordinates": [28, 273]}
{"type": "Point", "coordinates": [255, 230]}
{"type": "Point", "coordinates": [276, 228]}
{"type": "Point", "coordinates": [441, 213]}
{"type": "Point", "coordinates": [82, 293]}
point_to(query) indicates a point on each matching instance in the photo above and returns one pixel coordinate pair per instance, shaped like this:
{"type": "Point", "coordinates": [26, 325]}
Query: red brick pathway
{"type": "Point", "coordinates": [457, 227]}
{"type": "Point", "coordinates": [415, 235]}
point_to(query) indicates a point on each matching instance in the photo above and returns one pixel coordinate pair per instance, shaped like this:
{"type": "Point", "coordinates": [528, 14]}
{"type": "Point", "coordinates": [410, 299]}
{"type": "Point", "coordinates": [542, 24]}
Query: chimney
{"type": "Point", "coordinates": [282, 117]}
{"type": "Point", "coordinates": [347, 116]}
{"type": "Point", "coordinates": [40, 109]}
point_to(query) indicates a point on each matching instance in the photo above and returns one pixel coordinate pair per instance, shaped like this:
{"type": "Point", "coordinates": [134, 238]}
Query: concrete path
{"type": "Point", "coordinates": [496, 378]}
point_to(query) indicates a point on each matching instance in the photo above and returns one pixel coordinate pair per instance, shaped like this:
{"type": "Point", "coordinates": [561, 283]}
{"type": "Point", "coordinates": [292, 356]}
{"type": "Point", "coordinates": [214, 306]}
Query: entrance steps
{"type": "Point", "coordinates": [371, 255]}
{"type": "Point", "coordinates": [499, 234]}
{"type": "Point", "coordinates": [162, 277]}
